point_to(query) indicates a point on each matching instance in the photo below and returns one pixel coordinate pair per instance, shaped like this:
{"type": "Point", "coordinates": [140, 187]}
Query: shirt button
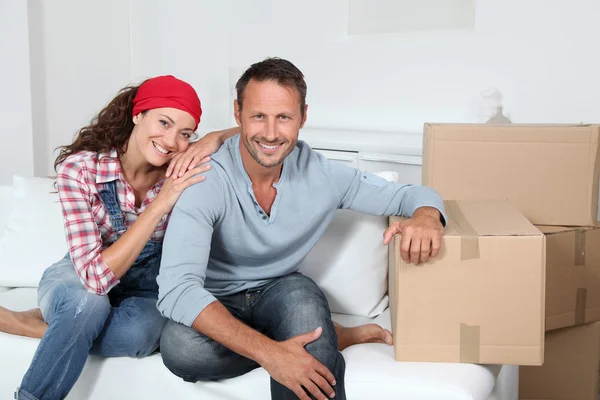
{"type": "Point", "coordinates": [260, 212]}
{"type": "Point", "coordinates": [264, 217]}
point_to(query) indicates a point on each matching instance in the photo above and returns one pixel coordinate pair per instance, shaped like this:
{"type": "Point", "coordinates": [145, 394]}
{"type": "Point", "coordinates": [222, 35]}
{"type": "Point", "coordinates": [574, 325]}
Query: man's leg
{"type": "Point", "coordinates": [195, 357]}
{"type": "Point", "coordinates": [291, 306]}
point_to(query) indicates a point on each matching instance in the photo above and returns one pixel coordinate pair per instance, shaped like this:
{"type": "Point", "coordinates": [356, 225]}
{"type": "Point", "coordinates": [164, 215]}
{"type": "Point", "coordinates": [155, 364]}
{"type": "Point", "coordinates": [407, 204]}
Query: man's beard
{"type": "Point", "coordinates": [256, 157]}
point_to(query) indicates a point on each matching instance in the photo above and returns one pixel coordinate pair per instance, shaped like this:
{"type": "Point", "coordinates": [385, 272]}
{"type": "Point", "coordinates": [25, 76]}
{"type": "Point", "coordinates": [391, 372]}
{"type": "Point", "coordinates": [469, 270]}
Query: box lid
{"type": "Point", "coordinates": [550, 230]}
{"type": "Point", "coordinates": [524, 133]}
{"type": "Point", "coordinates": [494, 217]}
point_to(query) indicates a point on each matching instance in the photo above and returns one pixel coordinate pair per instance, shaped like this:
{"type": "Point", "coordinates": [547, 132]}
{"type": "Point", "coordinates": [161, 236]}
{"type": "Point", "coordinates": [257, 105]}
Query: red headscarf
{"type": "Point", "coordinates": [167, 91]}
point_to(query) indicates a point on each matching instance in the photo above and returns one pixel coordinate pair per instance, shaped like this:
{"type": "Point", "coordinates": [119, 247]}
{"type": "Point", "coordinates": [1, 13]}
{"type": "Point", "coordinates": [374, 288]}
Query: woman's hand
{"type": "Point", "coordinates": [198, 152]}
{"type": "Point", "coordinates": [174, 186]}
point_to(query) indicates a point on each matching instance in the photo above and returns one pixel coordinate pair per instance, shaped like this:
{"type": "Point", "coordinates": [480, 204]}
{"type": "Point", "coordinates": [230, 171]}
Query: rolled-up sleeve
{"type": "Point", "coordinates": [368, 193]}
{"type": "Point", "coordinates": [83, 237]}
{"type": "Point", "coordinates": [186, 251]}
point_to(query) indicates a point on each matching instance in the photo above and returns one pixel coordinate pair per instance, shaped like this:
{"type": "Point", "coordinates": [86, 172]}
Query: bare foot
{"type": "Point", "coordinates": [369, 333]}
{"type": "Point", "coordinates": [28, 323]}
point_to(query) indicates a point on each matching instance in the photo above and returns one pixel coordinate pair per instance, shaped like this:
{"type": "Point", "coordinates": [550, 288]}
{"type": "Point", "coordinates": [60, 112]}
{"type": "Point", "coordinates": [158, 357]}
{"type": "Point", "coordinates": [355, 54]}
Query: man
{"type": "Point", "coordinates": [228, 279]}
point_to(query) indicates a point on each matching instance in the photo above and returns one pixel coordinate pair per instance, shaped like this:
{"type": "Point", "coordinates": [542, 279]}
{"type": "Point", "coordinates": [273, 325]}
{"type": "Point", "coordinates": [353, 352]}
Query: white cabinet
{"type": "Point", "coordinates": [407, 167]}
{"type": "Point", "coordinates": [349, 158]}
{"type": "Point", "coordinates": [371, 150]}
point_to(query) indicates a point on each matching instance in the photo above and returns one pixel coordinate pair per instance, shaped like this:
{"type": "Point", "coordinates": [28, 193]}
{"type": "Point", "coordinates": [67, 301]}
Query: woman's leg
{"type": "Point", "coordinates": [75, 318]}
{"type": "Point", "coordinates": [369, 333]}
{"type": "Point", "coordinates": [28, 323]}
{"type": "Point", "coordinates": [132, 329]}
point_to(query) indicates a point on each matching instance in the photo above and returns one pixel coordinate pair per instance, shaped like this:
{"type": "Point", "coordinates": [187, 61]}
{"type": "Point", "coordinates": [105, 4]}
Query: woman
{"type": "Point", "coordinates": [101, 297]}
{"type": "Point", "coordinates": [116, 189]}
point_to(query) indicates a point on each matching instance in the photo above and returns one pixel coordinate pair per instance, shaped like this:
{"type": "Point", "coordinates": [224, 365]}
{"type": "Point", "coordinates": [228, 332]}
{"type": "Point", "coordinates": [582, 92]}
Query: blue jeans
{"type": "Point", "coordinates": [284, 308]}
{"type": "Point", "coordinates": [123, 323]}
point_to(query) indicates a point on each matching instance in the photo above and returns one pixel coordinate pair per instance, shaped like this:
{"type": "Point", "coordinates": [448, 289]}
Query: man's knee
{"type": "Point", "coordinates": [302, 307]}
{"type": "Point", "coordinates": [195, 357]}
{"type": "Point", "coordinates": [186, 352]}
{"type": "Point", "coordinates": [330, 357]}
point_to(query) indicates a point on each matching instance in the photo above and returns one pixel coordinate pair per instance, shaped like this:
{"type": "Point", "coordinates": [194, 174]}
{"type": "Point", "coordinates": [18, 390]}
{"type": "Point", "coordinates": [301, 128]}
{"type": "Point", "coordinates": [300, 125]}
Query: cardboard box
{"type": "Point", "coordinates": [550, 173]}
{"type": "Point", "coordinates": [572, 276]}
{"type": "Point", "coordinates": [482, 299]}
{"type": "Point", "coordinates": [570, 370]}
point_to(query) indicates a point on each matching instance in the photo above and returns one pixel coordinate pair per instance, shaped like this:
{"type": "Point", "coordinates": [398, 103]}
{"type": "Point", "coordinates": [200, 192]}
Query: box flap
{"type": "Point", "coordinates": [549, 173]}
{"type": "Point", "coordinates": [486, 218]}
{"type": "Point", "coordinates": [549, 230]}
{"type": "Point", "coordinates": [524, 133]}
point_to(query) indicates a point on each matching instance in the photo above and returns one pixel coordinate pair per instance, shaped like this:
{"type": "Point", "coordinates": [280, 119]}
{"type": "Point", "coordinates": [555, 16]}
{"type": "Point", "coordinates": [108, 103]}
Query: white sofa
{"type": "Point", "coordinates": [371, 369]}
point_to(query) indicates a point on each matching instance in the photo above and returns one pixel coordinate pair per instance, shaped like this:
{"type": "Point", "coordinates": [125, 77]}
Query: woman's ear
{"type": "Point", "coordinates": [137, 118]}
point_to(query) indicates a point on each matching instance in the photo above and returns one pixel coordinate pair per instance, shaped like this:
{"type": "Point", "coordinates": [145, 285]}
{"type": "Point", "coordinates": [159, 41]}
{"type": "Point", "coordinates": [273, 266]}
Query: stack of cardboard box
{"type": "Point", "coordinates": [518, 279]}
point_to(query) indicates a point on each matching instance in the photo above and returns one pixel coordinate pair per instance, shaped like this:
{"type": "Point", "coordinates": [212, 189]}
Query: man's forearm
{"type": "Point", "coordinates": [216, 322]}
{"type": "Point", "coordinates": [227, 133]}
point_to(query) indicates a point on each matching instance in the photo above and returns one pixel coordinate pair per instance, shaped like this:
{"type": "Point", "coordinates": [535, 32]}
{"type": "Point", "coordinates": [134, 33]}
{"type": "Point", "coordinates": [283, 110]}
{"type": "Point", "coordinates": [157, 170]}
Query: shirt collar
{"type": "Point", "coordinates": [108, 167]}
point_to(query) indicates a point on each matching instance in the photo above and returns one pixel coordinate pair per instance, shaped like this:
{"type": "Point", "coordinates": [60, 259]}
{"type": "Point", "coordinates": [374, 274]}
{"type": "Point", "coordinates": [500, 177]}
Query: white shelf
{"type": "Point", "coordinates": [398, 143]}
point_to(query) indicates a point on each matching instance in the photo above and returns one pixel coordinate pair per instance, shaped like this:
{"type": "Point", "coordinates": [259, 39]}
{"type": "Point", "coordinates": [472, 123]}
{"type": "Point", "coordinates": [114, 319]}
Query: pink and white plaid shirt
{"type": "Point", "coordinates": [87, 224]}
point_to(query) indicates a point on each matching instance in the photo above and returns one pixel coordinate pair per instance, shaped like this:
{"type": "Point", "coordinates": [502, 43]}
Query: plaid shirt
{"type": "Point", "coordinates": [87, 223]}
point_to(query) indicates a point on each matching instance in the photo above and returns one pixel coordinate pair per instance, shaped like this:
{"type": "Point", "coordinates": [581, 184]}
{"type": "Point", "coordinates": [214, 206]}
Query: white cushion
{"type": "Point", "coordinates": [350, 262]}
{"type": "Point", "coordinates": [5, 209]}
{"type": "Point", "coordinates": [6, 201]}
{"type": "Point", "coordinates": [34, 237]}
{"type": "Point", "coordinates": [371, 373]}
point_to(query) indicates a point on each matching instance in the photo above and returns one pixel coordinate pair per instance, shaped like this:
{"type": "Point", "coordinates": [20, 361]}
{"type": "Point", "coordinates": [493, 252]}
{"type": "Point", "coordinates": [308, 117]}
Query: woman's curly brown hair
{"type": "Point", "coordinates": [109, 129]}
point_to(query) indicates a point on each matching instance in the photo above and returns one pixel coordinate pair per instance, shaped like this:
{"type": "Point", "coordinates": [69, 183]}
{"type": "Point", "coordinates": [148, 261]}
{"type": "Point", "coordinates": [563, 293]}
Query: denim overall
{"type": "Point", "coordinates": [124, 323]}
{"type": "Point", "coordinates": [140, 280]}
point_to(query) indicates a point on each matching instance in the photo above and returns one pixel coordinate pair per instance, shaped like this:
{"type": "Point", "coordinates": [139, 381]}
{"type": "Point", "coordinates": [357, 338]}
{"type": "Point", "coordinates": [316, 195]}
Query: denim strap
{"type": "Point", "coordinates": [110, 198]}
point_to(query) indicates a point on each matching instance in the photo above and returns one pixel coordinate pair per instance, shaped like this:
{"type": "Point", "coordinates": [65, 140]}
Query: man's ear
{"type": "Point", "coordinates": [304, 116]}
{"type": "Point", "coordinates": [237, 112]}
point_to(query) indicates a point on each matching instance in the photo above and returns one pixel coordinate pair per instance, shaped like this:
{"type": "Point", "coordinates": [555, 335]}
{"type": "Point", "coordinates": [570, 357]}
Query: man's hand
{"type": "Point", "coordinates": [421, 235]}
{"type": "Point", "coordinates": [292, 366]}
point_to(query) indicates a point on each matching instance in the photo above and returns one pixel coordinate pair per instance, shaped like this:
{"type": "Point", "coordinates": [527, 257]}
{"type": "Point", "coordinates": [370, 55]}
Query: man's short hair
{"type": "Point", "coordinates": [277, 70]}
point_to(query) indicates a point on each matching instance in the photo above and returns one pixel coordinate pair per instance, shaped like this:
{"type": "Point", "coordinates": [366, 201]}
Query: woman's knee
{"type": "Point", "coordinates": [70, 302]}
{"type": "Point", "coordinates": [147, 337]}
{"type": "Point", "coordinates": [133, 329]}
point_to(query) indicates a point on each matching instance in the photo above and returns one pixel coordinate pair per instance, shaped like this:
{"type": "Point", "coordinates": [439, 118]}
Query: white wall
{"type": "Point", "coordinates": [80, 58]}
{"type": "Point", "coordinates": [15, 99]}
{"type": "Point", "coordinates": [66, 59]}
{"type": "Point", "coordinates": [542, 55]}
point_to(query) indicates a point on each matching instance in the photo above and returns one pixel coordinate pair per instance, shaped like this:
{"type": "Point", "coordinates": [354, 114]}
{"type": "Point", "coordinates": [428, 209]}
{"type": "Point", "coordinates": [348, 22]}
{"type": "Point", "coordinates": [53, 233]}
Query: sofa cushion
{"type": "Point", "coordinates": [371, 372]}
{"type": "Point", "coordinates": [350, 262]}
{"type": "Point", "coordinates": [5, 206]}
{"type": "Point", "coordinates": [34, 237]}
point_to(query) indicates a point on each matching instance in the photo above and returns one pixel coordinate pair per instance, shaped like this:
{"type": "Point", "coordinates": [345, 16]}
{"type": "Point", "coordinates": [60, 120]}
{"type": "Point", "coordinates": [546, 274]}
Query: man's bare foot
{"type": "Point", "coordinates": [369, 333]}
{"type": "Point", "coordinates": [28, 323]}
